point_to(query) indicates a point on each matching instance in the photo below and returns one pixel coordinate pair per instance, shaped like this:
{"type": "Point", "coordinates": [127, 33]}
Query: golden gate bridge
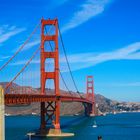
{"type": "Point", "coordinates": [49, 103]}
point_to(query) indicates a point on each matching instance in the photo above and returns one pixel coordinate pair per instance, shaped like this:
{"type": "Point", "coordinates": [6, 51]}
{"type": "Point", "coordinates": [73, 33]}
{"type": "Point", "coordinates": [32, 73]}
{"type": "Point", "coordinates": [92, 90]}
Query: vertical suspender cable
{"type": "Point", "coordinates": [59, 70]}
{"type": "Point", "coordinates": [68, 61]}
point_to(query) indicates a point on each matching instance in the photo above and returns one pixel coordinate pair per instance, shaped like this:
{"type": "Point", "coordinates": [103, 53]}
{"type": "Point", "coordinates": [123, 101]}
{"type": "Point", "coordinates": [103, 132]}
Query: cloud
{"type": "Point", "coordinates": [4, 57]}
{"type": "Point", "coordinates": [87, 10]}
{"type": "Point", "coordinates": [23, 62]}
{"type": "Point", "coordinates": [78, 61]}
{"type": "Point", "coordinates": [6, 32]}
{"type": "Point", "coordinates": [31, 44]}
{"type": "Point", "coordinates": [129, 52]}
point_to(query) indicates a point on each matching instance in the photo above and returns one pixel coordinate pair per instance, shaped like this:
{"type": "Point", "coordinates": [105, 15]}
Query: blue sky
{"type": "Point", "coordinates": [101, 37]}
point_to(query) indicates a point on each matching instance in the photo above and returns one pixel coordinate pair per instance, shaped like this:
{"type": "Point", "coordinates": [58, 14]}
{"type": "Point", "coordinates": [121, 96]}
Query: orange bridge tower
{"type": "Point", "coordinates": [50, 111]}
{"type": "Point", "coordinates": [90, 109]}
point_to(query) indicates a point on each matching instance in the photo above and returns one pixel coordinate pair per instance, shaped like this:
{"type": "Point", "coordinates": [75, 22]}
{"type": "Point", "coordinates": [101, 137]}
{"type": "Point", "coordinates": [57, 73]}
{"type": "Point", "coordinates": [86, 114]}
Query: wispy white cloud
{"type": "Point", "coordinates": [85, 60]}
{"type": "Point", "coordinates": [6, 32]}
{"type": "Point", "coordinates": [126, 53]}
{"type": "Point", "coordinates": [31, 44]}
{"type": "Point", "coordinates": [23, 62]}
{"type": "Point", "coordinates": [87, 10]}
{"type": "Point", "coordinates": [4, 57]}
{"type": "Point", "coordinates": [28, 46]}
{"type": "Point", "coordinates": [133, 56]}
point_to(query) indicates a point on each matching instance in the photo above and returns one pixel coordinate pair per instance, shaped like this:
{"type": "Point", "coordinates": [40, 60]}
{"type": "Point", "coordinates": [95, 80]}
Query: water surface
{"type": "Point", "coordinates": [124, 126]}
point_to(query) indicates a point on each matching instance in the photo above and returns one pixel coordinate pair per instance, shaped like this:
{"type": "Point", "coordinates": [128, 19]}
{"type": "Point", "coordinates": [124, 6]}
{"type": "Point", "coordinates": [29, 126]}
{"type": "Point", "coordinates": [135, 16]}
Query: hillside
{"type": "Point", "coordinates": [104, 104]}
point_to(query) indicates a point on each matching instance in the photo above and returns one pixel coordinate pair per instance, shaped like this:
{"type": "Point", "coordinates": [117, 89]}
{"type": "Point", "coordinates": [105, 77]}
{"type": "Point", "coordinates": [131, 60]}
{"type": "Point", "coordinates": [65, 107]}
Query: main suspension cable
{"type": "Point", "coordinates": [62, 42]}
{"type": "Point", "coordinates": [67, 58]}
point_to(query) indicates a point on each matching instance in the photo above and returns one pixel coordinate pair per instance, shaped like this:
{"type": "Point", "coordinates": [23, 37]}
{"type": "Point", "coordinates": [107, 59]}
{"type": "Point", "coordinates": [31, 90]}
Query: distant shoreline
{"type": "Point", "coordinates": [7, 115]}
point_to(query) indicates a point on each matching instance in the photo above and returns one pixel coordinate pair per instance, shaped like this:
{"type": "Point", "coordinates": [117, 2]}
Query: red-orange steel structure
{"type": "Point", "coordinates": [15, 99]}
{"type": "Point", "coordinates": [90, 93]}
{"type": "Point", "coordinates": [50, 104]}
{"type": "Point", "coordinates": [51, 112]}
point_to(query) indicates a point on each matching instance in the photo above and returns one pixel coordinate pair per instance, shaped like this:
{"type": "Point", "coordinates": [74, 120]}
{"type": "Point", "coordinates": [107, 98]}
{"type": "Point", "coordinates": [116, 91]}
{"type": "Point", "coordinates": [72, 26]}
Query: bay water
{"type": "Point", "coordinates": [124, 126]}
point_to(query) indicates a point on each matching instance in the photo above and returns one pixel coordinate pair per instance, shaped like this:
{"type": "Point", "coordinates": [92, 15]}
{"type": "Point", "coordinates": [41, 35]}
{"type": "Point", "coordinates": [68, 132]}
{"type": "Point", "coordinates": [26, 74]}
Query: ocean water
{"type": "Point", "coordinates": [124, 126]}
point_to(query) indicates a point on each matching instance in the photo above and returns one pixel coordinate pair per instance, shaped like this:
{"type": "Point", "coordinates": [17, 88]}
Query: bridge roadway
{"type": "Point", "coordinates": [13, 99]}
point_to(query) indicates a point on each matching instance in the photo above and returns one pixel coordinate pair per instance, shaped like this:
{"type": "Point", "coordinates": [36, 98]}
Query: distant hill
{"type": "Point", "coordinates": [104, 104]}
{"type": "Point", "coordinates": [108, 105]}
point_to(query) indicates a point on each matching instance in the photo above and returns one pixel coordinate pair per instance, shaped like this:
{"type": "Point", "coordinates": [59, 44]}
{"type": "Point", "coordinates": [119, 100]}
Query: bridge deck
{"type": "Point", "coordinates": [30, 98]}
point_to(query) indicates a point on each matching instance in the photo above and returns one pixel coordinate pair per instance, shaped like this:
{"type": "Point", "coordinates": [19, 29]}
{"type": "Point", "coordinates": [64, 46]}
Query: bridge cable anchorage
{"type": "Point", "coordinates": [34, 54]}
{"type": "Point", "coordinates": [21, 47]}
{"type": "Point", "coordinates": [28, 62]}
{"type": "Point", "coordinates": [59, 69]}
{"type": "Point", "coordinates": [62, 42]}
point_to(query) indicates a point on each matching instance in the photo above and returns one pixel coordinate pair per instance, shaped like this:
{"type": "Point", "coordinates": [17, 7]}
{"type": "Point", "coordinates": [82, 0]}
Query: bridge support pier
{"type": "Point", "coordinates": [42, 116]}
{"type": "Point", "coordinates": [49, 125]}
{"type": "Point", "coordinates": [89, 110]}
{"type": "Point", "coordinates": [50, 117]}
